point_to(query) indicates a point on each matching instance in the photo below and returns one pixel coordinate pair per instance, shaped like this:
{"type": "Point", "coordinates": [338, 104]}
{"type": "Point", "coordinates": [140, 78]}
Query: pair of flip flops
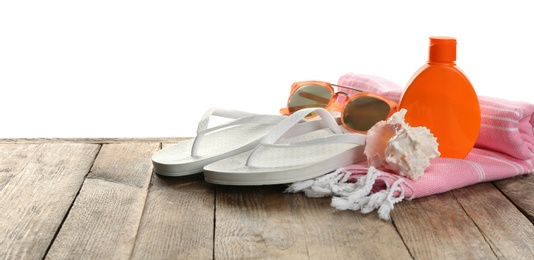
{"type": "Point", "coordinates": [257, 149]}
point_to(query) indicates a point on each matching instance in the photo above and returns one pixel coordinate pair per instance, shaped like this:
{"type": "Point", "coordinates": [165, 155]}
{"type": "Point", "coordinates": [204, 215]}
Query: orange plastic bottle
{"type": "Point", "coordinates": [440, 97]}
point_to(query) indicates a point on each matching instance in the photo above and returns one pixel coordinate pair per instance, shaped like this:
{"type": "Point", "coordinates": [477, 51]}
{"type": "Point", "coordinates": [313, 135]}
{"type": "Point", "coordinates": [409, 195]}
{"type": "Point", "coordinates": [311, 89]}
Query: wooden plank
{"type": "Point", "coordinates": [509, 233]}
{"type": "Point", "coordinates": [104, 219]}
{"type": "Point", "coordinates": [263, 222]}
{"type": "Point", "coordinates": [520, 191]}
{"type": "Point", "coordinates": [437, 227]}
{"type": "Point", "coordinates": [178, 220]}
{"type": "Point", "coordinates": [39, 194]}
{"type": "Point", "coordinates": [89, 140]}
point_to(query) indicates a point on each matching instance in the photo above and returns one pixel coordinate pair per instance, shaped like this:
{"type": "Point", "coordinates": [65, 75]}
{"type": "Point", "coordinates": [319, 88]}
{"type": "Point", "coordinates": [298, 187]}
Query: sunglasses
{"type": "Point", "coordinates": [359, 112]}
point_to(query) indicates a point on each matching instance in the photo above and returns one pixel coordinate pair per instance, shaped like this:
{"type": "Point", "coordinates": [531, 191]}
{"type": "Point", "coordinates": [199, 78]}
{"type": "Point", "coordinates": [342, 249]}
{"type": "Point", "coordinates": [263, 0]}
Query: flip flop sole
{"type": "Point", "coordinates": [224, 171]}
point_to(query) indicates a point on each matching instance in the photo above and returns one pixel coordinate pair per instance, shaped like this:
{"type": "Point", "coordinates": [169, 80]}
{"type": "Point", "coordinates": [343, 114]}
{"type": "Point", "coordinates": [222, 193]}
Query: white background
{"type": "Point", "coordinates": [151, 68]}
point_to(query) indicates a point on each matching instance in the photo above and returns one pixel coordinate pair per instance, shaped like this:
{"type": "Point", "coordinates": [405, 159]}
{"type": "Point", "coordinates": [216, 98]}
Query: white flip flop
{"type": "Point", "coordinates": [279, 159]}
{"type": "Point", "coordinates": [211, 144]}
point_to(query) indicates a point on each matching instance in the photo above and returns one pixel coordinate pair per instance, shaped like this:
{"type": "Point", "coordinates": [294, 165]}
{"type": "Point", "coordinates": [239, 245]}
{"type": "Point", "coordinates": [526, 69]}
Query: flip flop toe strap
{"type": "Point", "coordinates": [289, 124]}
{"type": "Point", "coordinates": [240, 117]}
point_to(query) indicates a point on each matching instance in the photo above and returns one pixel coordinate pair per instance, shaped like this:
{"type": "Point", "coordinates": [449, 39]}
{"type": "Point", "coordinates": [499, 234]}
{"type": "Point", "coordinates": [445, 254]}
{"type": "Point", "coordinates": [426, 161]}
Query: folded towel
{"type": "Point", "coordinates": [504, 148]}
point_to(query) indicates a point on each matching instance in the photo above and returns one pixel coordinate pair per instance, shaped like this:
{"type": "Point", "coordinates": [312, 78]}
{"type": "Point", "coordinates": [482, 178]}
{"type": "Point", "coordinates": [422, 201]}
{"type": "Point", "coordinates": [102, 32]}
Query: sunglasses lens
{"type": "Point", "coordinates": [364, 112]}
{"type": "Point", "coordinates": [309, 96]}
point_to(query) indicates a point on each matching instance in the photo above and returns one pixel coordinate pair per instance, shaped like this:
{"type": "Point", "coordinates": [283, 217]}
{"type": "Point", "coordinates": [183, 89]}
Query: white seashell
{"type": "Point", "coordinates": [399, 147]}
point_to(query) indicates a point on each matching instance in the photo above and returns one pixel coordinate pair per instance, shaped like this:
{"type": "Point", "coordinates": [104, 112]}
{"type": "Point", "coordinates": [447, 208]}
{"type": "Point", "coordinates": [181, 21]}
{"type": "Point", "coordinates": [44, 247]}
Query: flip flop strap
{"type": "Point", "coordinates": [215, 111]}
{"type": "Point", "coordinates": [288, 125]}
{"type": "Point", "coordinates": [242, 118]}
{"type": "Point", "coordinates": [289, 122]}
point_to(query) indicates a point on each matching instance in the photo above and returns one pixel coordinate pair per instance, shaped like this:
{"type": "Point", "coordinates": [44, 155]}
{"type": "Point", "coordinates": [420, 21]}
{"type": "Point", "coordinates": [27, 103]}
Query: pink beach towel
{"type": "Point", "coordinates": [504, 148]}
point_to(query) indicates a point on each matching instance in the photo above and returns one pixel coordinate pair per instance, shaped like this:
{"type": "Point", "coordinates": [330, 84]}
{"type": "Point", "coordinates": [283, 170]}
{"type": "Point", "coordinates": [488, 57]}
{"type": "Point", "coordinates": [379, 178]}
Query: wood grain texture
{"type": "Point", "coordinates": [126, 163]}
{"type": "Point", "coordinates": [489, 209]}
{"type": "Point", "coordinates": [38, 195]}
{"type": "Point", "coordinates": [13, 159]}
{"type": "Point", "coordinates": [263, 222]}
{"type": "Point", "coordinates": [102, 224]}
{"type": "Point", "coordinates": [437, 227]}
{"type": "Point", "coordinates": [520, 190]}
{"type": "Point", "coordinates": [104, 220]}
{"type": "Point", "coordinates": [178, 220]}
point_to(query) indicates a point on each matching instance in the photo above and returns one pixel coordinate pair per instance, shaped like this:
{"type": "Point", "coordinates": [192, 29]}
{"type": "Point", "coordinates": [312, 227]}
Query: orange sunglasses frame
{"type": "Point", "coordinates": [335, 106]}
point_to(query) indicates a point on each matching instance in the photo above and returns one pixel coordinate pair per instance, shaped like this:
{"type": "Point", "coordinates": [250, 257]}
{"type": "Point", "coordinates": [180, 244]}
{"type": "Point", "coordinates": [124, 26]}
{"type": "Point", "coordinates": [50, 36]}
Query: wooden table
{"type": "Point", "coordinates": [98, 199]}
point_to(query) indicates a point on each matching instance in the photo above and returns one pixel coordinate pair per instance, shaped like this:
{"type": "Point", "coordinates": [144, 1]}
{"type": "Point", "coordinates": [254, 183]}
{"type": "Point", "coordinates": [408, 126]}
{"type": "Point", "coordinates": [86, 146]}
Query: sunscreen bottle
{"type": "Point", "coordinates": [440, 97]}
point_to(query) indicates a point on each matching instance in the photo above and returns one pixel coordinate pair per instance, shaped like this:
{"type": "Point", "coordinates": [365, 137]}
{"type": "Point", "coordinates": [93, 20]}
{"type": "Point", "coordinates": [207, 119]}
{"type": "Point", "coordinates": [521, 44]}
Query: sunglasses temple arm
{"type": "Point", "coordinates": [355, 89]}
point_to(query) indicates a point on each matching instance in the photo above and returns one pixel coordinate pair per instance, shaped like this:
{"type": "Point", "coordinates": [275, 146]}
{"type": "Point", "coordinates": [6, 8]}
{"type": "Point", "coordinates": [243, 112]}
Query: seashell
{"type": "Point", "coordinates": [395, 145]}
{"type": "Point", "coordinates": [376, 143]}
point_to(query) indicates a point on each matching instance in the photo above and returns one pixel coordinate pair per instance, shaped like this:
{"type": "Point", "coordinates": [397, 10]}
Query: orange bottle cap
{"type": "Point", "coordinates": [442, 49]}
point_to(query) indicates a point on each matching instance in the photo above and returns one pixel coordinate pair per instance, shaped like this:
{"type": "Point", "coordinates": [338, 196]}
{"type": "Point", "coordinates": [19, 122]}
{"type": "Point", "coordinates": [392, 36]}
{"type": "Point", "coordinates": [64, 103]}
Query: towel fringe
{"type": "Point", "coordinates": [323, 186]}
{"type": "Point", "coordinates": [353, 196]}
